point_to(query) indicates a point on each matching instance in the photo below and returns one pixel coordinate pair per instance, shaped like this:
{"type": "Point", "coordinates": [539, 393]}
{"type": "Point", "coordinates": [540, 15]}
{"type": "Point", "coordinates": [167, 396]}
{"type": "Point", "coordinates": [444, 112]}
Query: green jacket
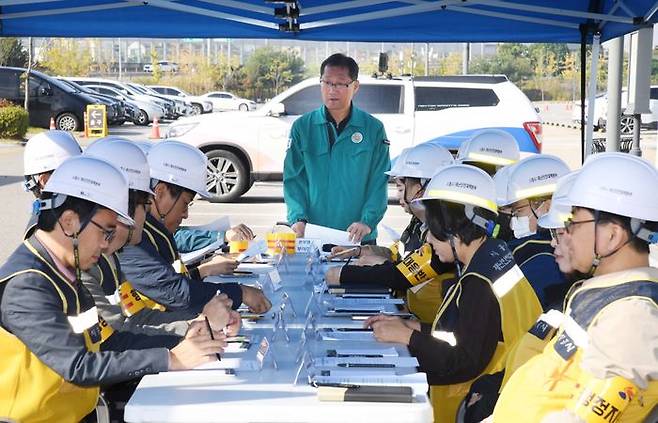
{"type": "Point", "coordinates": [339, 185]}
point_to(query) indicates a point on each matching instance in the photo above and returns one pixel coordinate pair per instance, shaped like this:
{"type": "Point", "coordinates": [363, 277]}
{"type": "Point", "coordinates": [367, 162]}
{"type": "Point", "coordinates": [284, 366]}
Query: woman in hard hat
{"type": "Point", "coordinates": [420, 275]}
{"type": "Point", "coordinates": [481, 399]}
{"type": "Point", "coordinates": [602, 363]}
{"type": "Point", "coordinates": [43, 153]}
{"type": "Point", "coordinates": [119, 303]}
{"type": "Point", "coordinates": [178, 173]}
{"type": "Point", "coordinates": [485, 312]}
{"type": "Point", "coordinates": [531, 182]}
{"type": "Point", "coordinates": [50, 332]}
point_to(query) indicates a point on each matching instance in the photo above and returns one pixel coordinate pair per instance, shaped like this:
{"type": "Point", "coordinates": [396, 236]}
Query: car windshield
{"type": "Point", "coordinates": [76, 87]}
{"type": "Point", "coordinates": [138, 88]}
{"type": "Point", "coordinates": [150, 91]}
{"type": "Point", "coordinates": [56, 82]}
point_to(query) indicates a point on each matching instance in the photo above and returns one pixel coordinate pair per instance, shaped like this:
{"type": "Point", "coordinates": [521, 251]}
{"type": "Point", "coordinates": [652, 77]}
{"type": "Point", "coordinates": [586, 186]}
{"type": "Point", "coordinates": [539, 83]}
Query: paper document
{"type": "Point", "coordinates": [392, 233]}
{"type": "Point", "coordinates": [328, 235]}
{"type": "Point", "coordinates": [255, 248]}
{"type": "Point", "coordinates": [346, 336]}
{"type": "Point", "coordinates": [341, 302]}
{"type": "Point", "coordinates": [383, 352]}
{"type": "Point", "coordinates": [196, 255]}
{"type": "Point", "coordinates": [417, 381]}
{"type": "Point", "coordinates": [335, 361]}
{"type": "Point", "coordinates": [221, 224]}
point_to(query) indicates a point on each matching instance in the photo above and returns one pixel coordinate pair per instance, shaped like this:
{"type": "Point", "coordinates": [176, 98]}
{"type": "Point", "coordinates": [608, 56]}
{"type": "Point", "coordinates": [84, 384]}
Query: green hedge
{"type": "Point", "coordinates": [13, 122]}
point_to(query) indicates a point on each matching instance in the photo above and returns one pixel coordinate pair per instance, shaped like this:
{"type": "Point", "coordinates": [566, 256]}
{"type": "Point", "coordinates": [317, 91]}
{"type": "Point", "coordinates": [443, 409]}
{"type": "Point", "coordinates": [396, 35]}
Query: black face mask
{"type": "Point", "coordinates": [504, 228]}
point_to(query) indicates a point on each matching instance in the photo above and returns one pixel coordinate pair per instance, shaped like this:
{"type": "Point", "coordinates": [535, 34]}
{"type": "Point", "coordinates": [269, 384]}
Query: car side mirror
{"type": "Point", "coordinates": [46, 91]}
{"type": "Point", "coordinates": [278, 109]}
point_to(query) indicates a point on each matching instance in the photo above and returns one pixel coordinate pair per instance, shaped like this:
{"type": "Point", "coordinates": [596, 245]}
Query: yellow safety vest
{"type": "Point", "coordinates": [519, 308]}
{"type": "Point", "coordinates": [130, 300]}
{"type": "Point", "coordinates": [555, 381]}
{"type": "Point", "coordinates": [31, 391]}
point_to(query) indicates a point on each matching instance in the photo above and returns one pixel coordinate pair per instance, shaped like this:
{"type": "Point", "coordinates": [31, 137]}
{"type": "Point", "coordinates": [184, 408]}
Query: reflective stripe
{"type": "Point", "coordinates": [444, 336]}
{"type": "Point", "coordinates": [84, 320]}
{"type": "Point", "coordinates": [535, 191]}
{"type": "Point", "coordinates": [575, 332]}
{"type": "Point", "coordinates": [485, 158]}
{"type": "Point", "coordinates": [114, 298]}
{"type": "Point", "coordinates": [508, 281]}
{"type": "Point", "coordinates": [461, 198]}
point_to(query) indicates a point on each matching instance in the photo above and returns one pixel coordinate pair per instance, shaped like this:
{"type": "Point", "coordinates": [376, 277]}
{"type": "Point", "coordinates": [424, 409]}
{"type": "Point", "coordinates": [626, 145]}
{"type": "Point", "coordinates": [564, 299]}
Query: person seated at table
{"type": "Point", "coordinates": [56, 350]}
{"type": "Point", "coordinates": [178, 173]}
{"type": "Point", "coordinates": [420, 275]}
{"type": "Point", "coordinates": [489, 307]}
{"type": "Point", "coordinates": [119, 304]}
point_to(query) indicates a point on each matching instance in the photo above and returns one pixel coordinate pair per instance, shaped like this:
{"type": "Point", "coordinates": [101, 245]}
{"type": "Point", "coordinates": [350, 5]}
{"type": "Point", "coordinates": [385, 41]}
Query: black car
{"type": "Point", "coordinates": [115, 108]}
{"type": "Point", "coordinates": [48, 98]}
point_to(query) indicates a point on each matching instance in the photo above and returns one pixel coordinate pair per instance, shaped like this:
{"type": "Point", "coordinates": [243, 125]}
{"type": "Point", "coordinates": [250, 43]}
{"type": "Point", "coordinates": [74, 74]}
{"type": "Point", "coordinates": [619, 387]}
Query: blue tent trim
{"type": "Point", "coordinates": [331, 20]}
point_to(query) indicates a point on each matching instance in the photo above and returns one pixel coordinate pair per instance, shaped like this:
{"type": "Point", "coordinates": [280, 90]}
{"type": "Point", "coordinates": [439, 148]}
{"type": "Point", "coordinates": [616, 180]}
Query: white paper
{"type": "Point", "coordinates": [392, 233]}
{"type": "Point", "coordinates": [339, 302]}
{"type": "Point", "coordinates": [255, 248]}
{"type": "Point", "coordinates": [347, 336]}
{"type": "Point", "coordinates": [420, 286]}
{"type": "Point", "coordinates": [237, 363]}
{"type": "Point", "coordinates": [335, 361]}
{"type": "Point", "coordinates": [307, 245]}
{"type": "Point", "coordinates": [196, 255]}
{"type": "Point", "coordinates": [221, 224]}
{"type": "Point", "coordinates": [386, 352]}
{"type": "Point", "coordinates": [328, 235]}
{"type": "Point", "coordinates": [417, 381]}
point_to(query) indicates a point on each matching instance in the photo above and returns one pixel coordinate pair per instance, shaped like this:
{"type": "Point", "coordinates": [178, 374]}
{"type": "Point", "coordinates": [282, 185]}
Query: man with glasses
{"type": "Point", "coordinates": [531, 182]}
{"type": "Point", "coordinates": [118, 302]}
{"type": "Point", "coordinates": [601, 365]}
{"type": "Point", "coordinates": [333, 173]}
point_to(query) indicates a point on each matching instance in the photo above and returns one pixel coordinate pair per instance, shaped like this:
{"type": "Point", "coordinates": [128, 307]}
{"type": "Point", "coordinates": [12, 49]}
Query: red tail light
{"type": "Point", "coordinates": [536, 133]}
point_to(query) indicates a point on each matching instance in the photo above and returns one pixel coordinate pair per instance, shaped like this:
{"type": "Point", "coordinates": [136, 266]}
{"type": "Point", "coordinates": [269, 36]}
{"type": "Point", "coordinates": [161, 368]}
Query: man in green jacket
{"type": "Point", "coordinates": [333, 174]}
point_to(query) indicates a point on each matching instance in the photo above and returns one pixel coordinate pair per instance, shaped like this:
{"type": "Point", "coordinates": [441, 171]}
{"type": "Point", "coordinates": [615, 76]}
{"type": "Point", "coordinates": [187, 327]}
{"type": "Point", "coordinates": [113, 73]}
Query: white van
{"type": "Point", "coordinates": [244, 147]}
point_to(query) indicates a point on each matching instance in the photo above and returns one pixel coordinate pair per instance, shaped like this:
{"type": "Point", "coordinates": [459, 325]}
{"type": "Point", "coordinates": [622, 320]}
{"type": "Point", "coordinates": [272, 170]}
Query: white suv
{"type": "Point", "coordinates": [221, 101]}
{"type": "Point", "coordinates": [246, 147]}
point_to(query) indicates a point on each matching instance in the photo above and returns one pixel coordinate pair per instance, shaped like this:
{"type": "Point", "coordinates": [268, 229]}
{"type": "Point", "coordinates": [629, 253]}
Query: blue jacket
{"type": "Point", "coordinates": [148, 266]}
{"type": "Point", "coordinates": [534, 255]}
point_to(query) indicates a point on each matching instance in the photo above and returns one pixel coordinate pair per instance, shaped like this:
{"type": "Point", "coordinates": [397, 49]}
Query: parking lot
{"type": "Point", "coordinates": [261, 207]}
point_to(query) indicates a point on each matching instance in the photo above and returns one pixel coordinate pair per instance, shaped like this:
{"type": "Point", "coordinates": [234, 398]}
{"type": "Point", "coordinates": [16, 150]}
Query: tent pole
{"type": "Point", "coordinates": [615, 64]}
{"type": "Point", "coordinates": [591, 94]}
{"type": "Point", "coordinates": [583, 81]}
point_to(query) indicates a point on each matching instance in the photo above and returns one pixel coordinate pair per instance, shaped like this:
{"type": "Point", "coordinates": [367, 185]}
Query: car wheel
{"type": "Point", "coordinates": [67, 122]}
{"type": "Point", "coordinates": [142, 118]}
{"type": "Point", "coordinates": [626, 125]}
{"type": "Point", "coordinates": [243, 107]}
{"type": "Point", "coordinates": [227, 177]}
{"type": "Point", "coordinates": [196, 109]}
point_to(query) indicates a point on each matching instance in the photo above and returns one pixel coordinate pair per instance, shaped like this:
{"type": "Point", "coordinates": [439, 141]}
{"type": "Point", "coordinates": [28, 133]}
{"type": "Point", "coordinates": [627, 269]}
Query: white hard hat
{"type": "Point", "coordinates": [397, 165]}
{"type": "Point", "coordinates": [535, 176]}
{"type": "Point", "coordinates": [45, 151]}
{"type": "Point", "coordinates": [94, 180]}
{"type": "Point", "coordinates": [501, 180]}
{"type": "Point", "coordinates": [128, 157]}
{"type": "Point", "coordinates": [145, 146]}
{"type": "Point", "coordinates": [490, 146]}
{"type": "Point", "coordinates": [180, 164]}
{"type": "Point", "coordinates": [462, 184]}
{"type": "Point", "coordinates": [424, 161]}
{"type": "Point", "coordinates": [560, 209]}
{"type": "Point", "coordinates": [617, 183]}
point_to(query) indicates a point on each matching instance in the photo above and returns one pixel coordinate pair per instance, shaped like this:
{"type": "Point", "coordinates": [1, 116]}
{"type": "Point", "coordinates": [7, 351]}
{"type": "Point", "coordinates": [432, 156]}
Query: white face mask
{"type": "Point", "coordinates": [521, 226]}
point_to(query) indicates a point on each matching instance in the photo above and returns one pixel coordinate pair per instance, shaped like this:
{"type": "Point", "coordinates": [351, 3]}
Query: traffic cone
{"type": "Point", "coordinates": [52, 123]}
{"type": "Point", "coordinates": [155, 130]}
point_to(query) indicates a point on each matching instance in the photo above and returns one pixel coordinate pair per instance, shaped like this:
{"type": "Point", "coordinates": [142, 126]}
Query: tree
{"type": "Point", "coordinates": [12, 53]}
{"type": "Point", "coordinates": [156, 71]}
{"type": "Point", "coordinates": [451, 64]}
{"type": "Point", "coordinates": [63, 57]}
{"type": "Point", "coordinates": [570, 72]}
{"type": "Point", "coordinates": [511, 59]}
{"type": "Point", "coordinates": [269, 71]}
{"type": "Point", "coordinates": [545, 64]}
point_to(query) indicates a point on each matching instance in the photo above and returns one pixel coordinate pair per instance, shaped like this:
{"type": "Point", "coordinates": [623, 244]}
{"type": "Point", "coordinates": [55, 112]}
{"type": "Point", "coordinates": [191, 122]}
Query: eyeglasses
{"type": "Point", "coordinates": [556, 234]}
{"type": "Point", "coordinates": [336, 85]}
{"type": "Point", "coordinates": [570, 223]}
{"type": "Point", "coordinates": [108, 233]}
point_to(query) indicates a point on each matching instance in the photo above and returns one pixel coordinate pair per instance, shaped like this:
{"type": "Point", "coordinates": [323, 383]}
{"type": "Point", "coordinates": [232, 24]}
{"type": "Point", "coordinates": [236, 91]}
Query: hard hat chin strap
{"type": "Point", "coordinates": [76, 242]}
{"type": "Point", "coordinates": [451, 241]}
{"type": "Point", "coordinates": [164, 215]}
{"type": "Point", "coordinates": [596, 261]}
